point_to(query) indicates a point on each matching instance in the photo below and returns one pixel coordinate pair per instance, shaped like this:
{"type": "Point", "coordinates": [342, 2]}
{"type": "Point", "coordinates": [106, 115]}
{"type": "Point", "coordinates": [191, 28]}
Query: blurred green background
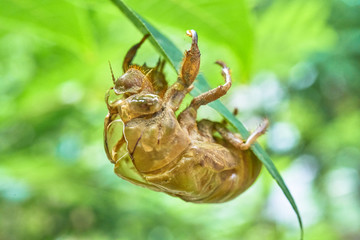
{"type": "Point", "coordinates": [295, 61]}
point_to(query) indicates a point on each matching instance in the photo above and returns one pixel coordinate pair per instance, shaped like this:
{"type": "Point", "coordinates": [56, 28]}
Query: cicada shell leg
{"type": "Point", "coordinates": [206, 129]}
{"type": "Point", "coordinates": [132, 52]}
{"type": "Point", "coordinates": [157, 78]}
{"type": "Point", "coordinates": [215, 93]}
{"type": "Point", "coordinates": [188, 117]}
{"type": "Point", "coordinates": [191, 62]}
{"type": "Point", "coordinates": [236, 141]}
{"type": "Point", "coordinates": [188, 72]}
{"type": "Point", "coordinates": [256, 134]}
{"type": "Point", "coordinates": [106, 124]}
{"type": "Point", "coordinates": [113, 137]}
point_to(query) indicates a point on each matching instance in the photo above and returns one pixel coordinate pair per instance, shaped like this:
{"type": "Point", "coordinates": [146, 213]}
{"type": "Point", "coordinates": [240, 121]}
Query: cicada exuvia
{"type": "Point", "coordinates": [152, 147]}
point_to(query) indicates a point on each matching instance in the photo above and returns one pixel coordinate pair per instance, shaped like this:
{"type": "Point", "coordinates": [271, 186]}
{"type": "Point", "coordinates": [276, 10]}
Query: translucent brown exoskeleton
{"type": "Point", "coordinates": [180, 156]}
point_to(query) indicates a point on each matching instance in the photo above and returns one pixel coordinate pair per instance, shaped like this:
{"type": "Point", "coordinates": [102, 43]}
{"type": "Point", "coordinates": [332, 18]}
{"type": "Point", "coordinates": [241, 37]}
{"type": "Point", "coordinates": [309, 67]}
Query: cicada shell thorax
{"type": "Point", "coordinates": [156, 141]}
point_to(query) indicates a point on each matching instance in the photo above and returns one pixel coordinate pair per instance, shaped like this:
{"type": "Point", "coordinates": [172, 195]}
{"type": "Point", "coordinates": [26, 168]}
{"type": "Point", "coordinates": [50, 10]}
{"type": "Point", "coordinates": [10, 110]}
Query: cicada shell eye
{"type": "Point", "coordinates": [113, 99]}
{"type": "Point", "coordinates": [132, 82]}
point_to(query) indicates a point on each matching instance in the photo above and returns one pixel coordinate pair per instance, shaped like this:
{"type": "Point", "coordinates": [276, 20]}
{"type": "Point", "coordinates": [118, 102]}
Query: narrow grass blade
{"type": "Point", "coordinates": [174, 57]}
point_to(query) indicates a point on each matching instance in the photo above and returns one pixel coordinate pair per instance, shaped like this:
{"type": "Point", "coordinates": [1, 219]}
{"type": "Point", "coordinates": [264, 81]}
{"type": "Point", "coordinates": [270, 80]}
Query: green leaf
{"type": "Point", "coordinates": [289, 30]}
{"type": "Point", "coordinates": [65, 27]}
{"type": "Point", "coordinates": [208, 17]}
{"type": "Point", "coordinates": [174, 56]}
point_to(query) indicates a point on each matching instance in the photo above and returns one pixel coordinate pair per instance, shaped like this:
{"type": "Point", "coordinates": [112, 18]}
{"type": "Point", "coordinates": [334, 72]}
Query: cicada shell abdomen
{"type": "Point", "coordinates": [208, 173]}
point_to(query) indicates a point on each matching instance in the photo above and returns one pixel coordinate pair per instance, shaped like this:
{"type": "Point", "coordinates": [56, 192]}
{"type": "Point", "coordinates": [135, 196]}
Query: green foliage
{"type": "Point", "coordinates": [301, 61]}
{"type": "Point", "coordinates": [172, 54]}
{"type": "Point", "coordinates": [223, 22]}
{"type": "Point", "coordinates": [289, 31]}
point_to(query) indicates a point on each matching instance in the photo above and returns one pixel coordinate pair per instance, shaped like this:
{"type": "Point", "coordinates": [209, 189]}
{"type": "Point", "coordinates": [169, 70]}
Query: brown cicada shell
{"type": "Point", "coordinates": [153, 148]}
